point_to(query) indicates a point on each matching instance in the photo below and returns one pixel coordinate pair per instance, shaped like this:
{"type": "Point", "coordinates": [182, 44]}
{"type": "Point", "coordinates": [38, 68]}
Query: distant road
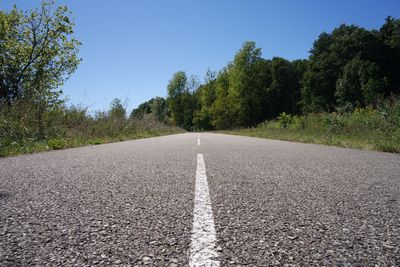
{"type": "Point", "coordinates": [201, 199]}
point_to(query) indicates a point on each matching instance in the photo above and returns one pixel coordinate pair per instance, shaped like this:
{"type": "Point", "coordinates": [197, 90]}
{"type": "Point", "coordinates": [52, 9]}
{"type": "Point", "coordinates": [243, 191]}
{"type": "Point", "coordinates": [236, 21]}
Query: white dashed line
{"type": "Point", "coordinates": [203, 247]}
{"type": "Point", "coordinates": [198, 141]}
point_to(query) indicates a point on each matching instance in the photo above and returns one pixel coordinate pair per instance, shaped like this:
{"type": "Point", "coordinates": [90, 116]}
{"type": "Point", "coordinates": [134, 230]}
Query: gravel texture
{"type": "Point", "coordinates": [127, 203]}
{"type": "Point", "coordinates": [291, 204]}
{"type": "Point", "coordinates": [131, 204]}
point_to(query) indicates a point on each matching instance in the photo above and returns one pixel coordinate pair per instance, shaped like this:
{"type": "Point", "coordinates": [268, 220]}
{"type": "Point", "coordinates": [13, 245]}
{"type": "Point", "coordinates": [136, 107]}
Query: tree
{"type": "Point", "coordinates": [222, 111]}
{"type": "Point", "coordinates": [176, 88]}
{"type": "Point", "coordinates": [389, 36]}
{"type": "Point", "coordinates": [206, 96]}
{"type": "Point", "coordinates": [37, 55]}
{"type": "Point", "coordinates": [158, 108]}
{"type": "Point", "coordinates": [243, 88]}
{"type": "Point", "coordinates": [142, 110]}
{"type": "Point", "coordinates": [360, 83]}
{"type": "Point", "coordinates": [181, 99]}
{"type": "Point", "coordinates": [348, 65]}
{"type": "Point", "coordinates": [117, 113]}
{"type": "Point", "coordinates": [328, 58]}
{"type": "Point", "coordinates": [117, 110]}
{"type": "Point", "coordinates": [284, 92]}
{"type": "Point", "coordinates": [280, 90]}
{"type": "Point", "coordinates": [299, 67]}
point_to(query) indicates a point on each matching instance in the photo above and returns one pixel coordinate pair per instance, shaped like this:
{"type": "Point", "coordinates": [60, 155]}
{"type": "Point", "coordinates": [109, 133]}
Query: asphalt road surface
{"type": "Point", "coordinates": [201, 200]}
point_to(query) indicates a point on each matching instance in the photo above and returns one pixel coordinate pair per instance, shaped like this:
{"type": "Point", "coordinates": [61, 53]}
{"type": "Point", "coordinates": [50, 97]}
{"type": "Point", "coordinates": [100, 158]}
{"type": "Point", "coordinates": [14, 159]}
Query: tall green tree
{"type": "Point", "coordinates": [181, 99]}
{"type": "Point", "coordinates": [223, 111]}
{"type": "Point", "coordinates": [37, 54]}
{"type": "Point", "coordinates": [177, 88]}
{"type": "Point", "coordinates": [360, 84]}
{"type": "Point", "coordinates": [158, 108]}
{"type": "Point", "coordinates": [280, 90]}
{"type": "Point", "coordinates": [328, 58]}
{"type": "Point", "coordinates": [206, 95]}
{"type": "Point", "coordinates": [284, 92]}
{"type": "Point", "coordinates": [389, 36]}
{"type": "Point", "coordinates": [243, 88]}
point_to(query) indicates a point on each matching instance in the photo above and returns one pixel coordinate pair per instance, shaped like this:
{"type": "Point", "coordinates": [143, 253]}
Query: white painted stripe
{"type": "Point", "coordinates": [203, 247]}
{"type": "Point", "coordinates": [198, 141]}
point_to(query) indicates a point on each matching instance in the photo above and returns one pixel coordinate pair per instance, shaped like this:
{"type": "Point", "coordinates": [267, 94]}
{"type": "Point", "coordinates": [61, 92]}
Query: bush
{"type": "Point", "coordinates": [333, 122]}
{"type": "Point", "coordinates": [56, 143]}
{"type": "Point", "coordinates": [64, 126]}
{"type": "Point", "coordinates": [96, 141]}
{"type": "Point", "coordinates": [362, 127]}
{"type": "Point", "coordinates": [285, 119]}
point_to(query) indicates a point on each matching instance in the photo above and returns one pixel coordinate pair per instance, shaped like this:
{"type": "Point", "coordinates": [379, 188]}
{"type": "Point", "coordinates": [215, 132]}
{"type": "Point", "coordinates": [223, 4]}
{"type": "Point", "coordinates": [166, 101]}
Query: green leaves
{"type": "Point", "coordinates": [352, 66]}
{"type": "Point", "coordinates": [37, 53]}
{"type": "Point", "coordinates": [181, 99]}
{"type": "Point", "coordinates": [360, 83]}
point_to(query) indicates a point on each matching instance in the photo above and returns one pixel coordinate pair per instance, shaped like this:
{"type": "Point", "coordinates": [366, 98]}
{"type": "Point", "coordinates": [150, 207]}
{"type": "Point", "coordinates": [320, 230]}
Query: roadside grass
{"type": "Point", "coordinates": [27, 146]}
{"type": "Point", "coordinates": [31, 146]}
{"type": "Point", "coordinates": [69, 127]}
{"type": "Point", "coordinates": [363, 128]}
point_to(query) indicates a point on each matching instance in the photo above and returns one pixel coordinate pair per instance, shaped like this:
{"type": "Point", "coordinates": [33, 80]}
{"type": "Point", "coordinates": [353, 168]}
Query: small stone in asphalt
{"type": "Point", "coordinates": [346, 231]}
{"type": "Point", "coordinates": [146, 259]}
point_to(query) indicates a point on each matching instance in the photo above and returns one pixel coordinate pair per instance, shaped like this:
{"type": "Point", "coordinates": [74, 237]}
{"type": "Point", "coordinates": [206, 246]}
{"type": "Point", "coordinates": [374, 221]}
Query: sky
{"type": "Point", "coordinates": [131, 48]}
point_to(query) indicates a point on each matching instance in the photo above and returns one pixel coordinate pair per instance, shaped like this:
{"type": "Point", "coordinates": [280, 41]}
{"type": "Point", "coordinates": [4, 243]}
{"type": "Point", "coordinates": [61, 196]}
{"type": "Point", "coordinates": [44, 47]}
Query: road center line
{"type": "Point", "coordinates": [198, 141]}
{"type": "Point", "coordinates": [203, 246]}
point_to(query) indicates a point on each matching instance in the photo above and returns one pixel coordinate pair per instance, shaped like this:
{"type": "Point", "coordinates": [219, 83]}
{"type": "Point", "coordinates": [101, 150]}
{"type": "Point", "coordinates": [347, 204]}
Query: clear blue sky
{"type": "Point", "coordinates": [131, 48]}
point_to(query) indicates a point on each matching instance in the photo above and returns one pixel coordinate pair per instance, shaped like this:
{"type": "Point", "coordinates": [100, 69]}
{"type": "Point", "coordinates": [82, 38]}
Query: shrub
{"type": "Point", "coordinates": [96, 141]}
{"type": "Point", "coordinates": [285, 119]}
{"type": "Point", "coordinates": [56, 143]}
{"type": "Point", "coordinates": [333, 122]}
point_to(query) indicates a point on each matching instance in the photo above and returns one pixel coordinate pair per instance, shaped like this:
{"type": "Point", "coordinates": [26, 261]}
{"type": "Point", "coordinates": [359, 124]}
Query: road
{"type": "Point", "coordinates": [201, 199]}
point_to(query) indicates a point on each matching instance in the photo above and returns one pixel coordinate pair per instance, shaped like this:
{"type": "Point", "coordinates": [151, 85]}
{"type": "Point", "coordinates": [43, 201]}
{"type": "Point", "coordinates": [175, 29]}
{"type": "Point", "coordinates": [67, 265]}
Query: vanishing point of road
{"type": "Point", "coordinates": [201, 200]}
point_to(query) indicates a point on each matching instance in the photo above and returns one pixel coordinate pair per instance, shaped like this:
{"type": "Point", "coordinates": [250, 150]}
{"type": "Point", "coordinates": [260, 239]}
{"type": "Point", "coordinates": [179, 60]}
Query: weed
{"type": "Point", "coordinates": [56, 143]}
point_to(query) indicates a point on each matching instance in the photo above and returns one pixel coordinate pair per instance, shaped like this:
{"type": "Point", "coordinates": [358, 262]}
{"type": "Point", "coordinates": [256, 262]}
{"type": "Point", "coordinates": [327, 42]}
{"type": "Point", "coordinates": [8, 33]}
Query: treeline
{"type": "Point", "coordinates": [349, 68]}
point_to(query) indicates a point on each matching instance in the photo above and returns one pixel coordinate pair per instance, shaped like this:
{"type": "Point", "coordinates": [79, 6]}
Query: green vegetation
{"type": "Point", "coordinates": [65, 127]}
{"type": "Point", "coordinates": [349, 68]}
{"type": "Point", "coordinates": [367, 128]}
{"type": "Point", "coordinates": [343, 94]}
{"type": "Point", "coordinates": [37, 54]}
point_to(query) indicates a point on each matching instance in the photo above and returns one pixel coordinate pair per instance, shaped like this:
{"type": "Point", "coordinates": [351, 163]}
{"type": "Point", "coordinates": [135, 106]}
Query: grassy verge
{"type": "Point", "coordinates": [69, 127]}
{"type": "Point", "coordinates": [372, 129]}
{"type": "Point", "coordinates": [30, 145]}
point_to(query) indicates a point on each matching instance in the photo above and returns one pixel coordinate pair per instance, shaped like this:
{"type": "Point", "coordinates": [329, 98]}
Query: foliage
{"type": "Point", "coordinates": [352, 65]}
{"type": "Point", "coordinates": [156, 106]}
{"type": "Point", "coordinates": [359, 83]}
{"type": "Point", "coordinates": [368, 128]}
{"type": "Point", "coordinates": [243, 89]}
{"type": "Point", "coordinates": [56, 143]}
{"type": "Point", "coordinates": [71, 126]}
{"type": "Point", "coordinates": [285, 119]}
{"type": "Point", "coordinates": [181, 100]}
{"type": "Point", "coordinates": [345, 90]}
{"type": "Point", "coordinates": [37, 54]}
{"type": "Point", "coordinates": [349, 68]}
